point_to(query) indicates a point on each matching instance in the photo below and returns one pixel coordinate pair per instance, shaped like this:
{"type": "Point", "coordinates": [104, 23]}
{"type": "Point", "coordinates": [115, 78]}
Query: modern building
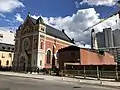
{"type": "Point", "coordinates": [7, 36]}
{"type": "Point", "coordinates": [116, 37]}
{"type": "Point", "coordinates": [6, 55]}
{"type": "Point", "coordinates": [36, 45]}
{"type": "Point", "coordinates": [76, 56]}
{"type": "Point", "coordinates": [100, 39]}
{"type": "Point", "coordinates": [108, 37]}
{"type": "Point", "coordinates": [110, 42]}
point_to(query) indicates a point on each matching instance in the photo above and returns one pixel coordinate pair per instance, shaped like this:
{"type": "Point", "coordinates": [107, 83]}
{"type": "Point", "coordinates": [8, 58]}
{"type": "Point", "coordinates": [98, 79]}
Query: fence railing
{"type": "Point", "coordinates": [93, 73]}
{"type": "Point", "coordinates": [84, 73]}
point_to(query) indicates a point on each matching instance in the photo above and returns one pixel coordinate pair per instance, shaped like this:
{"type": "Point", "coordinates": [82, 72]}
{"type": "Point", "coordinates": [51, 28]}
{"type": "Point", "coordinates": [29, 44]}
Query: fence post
{"type": "Point", "coordinates": [84, 73]}
{"type": "Point", "coordinates": [78, 72]}
{"type": "Point", "coordinates": [62, 73]}
{"type": "Point", "coordinates": [98, 73]}
{"type": "Point", "coordinates": [117, 72]}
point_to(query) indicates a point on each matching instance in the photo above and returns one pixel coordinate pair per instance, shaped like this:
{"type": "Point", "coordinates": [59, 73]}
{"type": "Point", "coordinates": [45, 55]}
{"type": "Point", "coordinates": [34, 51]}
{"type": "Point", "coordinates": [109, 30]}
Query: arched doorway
{"type": "Point", "coordinates": [22, 64]}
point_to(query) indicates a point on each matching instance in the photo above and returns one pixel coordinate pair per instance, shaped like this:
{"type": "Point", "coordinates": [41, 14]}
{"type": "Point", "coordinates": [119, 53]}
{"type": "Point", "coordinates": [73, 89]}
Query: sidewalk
{"type": "Point", "coordinates": [67, 79]}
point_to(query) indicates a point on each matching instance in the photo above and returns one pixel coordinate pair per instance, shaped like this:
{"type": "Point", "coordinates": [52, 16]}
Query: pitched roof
{"type": "Point", "coordinates": [57, 33]}
{"type": "Point", "coordinates": [69, 48]}
{"type": "Point", "coordinates": [54, 32]}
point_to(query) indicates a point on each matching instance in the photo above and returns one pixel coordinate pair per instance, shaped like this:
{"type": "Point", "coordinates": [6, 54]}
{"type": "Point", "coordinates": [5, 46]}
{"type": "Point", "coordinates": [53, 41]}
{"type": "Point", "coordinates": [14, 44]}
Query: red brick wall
{"type": "Point", "coordinates": [68, 57]}
{"type": "Point", "coordinates": [92, 58]}
{"type": "Point", "coordinates": [86, 58]}
{"type": "Point", "coordinates": [49, 45]}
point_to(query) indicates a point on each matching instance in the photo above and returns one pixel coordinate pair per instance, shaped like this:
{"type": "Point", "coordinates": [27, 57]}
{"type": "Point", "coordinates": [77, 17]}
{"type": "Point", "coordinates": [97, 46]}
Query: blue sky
{"type": "Point", "coordinates": [61, 13]}
{"type": "Point", "coordinates": [51, 8]}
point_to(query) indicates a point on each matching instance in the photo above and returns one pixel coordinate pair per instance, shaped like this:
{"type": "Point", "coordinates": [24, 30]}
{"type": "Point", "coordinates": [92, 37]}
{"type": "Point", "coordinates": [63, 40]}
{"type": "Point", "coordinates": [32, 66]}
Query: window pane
{"type": "Point", "coordinates": [48, 56]}
{"type": "Point", "coordinates": [7, 62]}
{"type": "Point", "coordinates": [40, 63]}
{"type": "Point", "coordinates": [10, 55]}
{"type": "Point", "coordinates": [41, 45]}
{"type": "Point", "coordinates": [35, 43]}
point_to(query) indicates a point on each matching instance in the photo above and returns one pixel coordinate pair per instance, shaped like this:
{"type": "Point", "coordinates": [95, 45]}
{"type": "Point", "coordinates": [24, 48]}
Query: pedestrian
{"type": "Point", "coordinates": [38, 70]}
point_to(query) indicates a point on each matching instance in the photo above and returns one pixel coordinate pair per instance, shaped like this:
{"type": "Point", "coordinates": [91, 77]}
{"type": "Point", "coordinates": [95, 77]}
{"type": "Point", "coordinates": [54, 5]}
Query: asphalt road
{"type": "Point", "coordinates": [18, 83]}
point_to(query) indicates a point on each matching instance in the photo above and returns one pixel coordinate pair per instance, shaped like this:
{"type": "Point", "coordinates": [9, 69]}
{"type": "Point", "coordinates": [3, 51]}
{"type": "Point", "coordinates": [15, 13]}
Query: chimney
{"type": "Point", "coordinates": [63, 30]}
{"type": "Point", "coordinates": [73, 40]}
{"type": "Point", "coordinates": [92, 39]}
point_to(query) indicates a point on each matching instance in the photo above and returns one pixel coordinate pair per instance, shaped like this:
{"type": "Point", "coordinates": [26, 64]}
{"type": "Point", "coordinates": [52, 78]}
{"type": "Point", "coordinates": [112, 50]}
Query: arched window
{"type": "Point", "coordinates": [3, 47]}
{"type": "Point", "coordinates": [41, 45]}
{"type": "Point", "coordinates": [7, 62]}
{"type": "Point", "coordinates": [48, 56]}
{"type": "Point", "coordinates": [0, 62]}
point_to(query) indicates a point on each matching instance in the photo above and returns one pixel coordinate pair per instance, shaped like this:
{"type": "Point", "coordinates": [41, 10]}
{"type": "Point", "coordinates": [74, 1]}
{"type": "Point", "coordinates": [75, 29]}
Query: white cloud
{"type": "Point", "coordinates": [7, 20]}
{"type": "Point", "coordinates": [10, 5]}
{"type": "Point", "coordinates": [77, 4]}
{"type": "Point", "coordinates": [2, 15]}
{"type": "Point", "coordinates": [35, 17]}
{"type": "Point", "coordinates": [75, 24]}
{"type": "Point", "coordinates": [8, 28]}
{"type": "Point", "coordinates": [99, 2]}
{"type": "Point", "coordinates": [19, 18]}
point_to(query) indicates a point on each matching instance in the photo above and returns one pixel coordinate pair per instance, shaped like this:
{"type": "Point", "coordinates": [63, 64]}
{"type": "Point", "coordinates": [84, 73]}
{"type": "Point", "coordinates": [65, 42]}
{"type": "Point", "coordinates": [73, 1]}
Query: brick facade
{"type": "Point", "coordinates": [87, 57]}
{"type": "Point", "coordinates": [33, 42]}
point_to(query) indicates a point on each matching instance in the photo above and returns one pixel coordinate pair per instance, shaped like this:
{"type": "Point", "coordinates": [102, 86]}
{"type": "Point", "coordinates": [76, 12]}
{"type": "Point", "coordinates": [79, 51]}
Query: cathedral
{"type": "Point", "coordinates": [37, 44]}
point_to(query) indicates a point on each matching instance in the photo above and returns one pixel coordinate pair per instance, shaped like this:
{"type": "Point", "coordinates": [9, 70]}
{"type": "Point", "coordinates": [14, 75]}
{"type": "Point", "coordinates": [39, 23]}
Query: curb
{"type": "Point", "coordinates": [22, 76]}
{"type": "Point", "coordinates": [95, 83]}
{"type": "Point", "coordinates": [73, 80]}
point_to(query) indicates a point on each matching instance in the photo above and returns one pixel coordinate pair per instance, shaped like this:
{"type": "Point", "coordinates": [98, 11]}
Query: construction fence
{"type": "Point", "coordinates": [110, 72]}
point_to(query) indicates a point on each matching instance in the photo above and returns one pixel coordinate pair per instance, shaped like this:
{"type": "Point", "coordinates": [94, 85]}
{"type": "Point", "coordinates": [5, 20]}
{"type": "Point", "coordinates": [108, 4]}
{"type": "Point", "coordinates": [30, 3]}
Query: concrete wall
{"type": "Point", "coordinates": [116, 37]}
{"type": "Point", "coordinates": [8, 37]}
{"type": "Point", "coordinates": [100, 39]}
{"type": "Point", "coordinates": [108, 37]}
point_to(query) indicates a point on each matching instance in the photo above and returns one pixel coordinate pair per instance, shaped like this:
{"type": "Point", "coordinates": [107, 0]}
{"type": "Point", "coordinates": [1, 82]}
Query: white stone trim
{"type": "Point", "coordinates": [55, 54]}
{"type": "Point", "coordinates": [44, 59]}
{"type": "Point", "coordinates": [47, 50]}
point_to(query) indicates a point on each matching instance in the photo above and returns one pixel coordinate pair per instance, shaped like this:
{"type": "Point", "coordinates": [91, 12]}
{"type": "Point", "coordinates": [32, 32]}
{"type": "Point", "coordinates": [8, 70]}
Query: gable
{"type": "Point", "coordinates": [27, 26]}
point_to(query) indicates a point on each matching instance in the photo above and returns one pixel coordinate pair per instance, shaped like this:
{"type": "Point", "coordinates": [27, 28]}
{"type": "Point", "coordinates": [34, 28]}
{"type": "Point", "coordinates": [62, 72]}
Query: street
{"type": "Point", "coordinates": [18, 83]}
